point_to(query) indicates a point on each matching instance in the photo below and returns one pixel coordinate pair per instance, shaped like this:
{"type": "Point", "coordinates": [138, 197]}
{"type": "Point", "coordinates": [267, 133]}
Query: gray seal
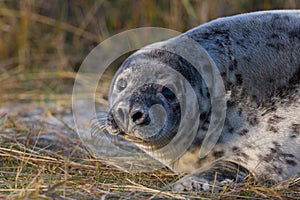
{"type": "Point", "coordinates": [258, 57]}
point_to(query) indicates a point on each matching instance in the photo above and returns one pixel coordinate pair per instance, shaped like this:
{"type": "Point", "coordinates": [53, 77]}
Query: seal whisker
{"type": "Point", "coordinates": [99, 124]}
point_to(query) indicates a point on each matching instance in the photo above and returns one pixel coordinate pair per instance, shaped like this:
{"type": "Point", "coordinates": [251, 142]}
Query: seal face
{"type": "Point", "coordinates": [258, 57]}
{"type": "Point", "coordinates": [148, 115]}
{"type": "Point", "coordinates": [140, 115]}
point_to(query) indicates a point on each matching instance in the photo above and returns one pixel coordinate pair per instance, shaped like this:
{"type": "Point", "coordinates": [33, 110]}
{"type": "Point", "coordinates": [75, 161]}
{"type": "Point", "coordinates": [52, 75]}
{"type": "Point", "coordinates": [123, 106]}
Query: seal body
{"type": "Point", "coordinates": [258, 57]}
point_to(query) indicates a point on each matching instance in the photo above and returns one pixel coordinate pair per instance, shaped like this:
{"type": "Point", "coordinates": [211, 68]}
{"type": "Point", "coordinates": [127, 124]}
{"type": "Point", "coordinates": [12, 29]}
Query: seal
{"type": "Point", "coordinates": [257, 56]}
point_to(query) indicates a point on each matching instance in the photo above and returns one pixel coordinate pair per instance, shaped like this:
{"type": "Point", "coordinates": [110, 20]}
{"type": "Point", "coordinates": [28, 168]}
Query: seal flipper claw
{"type": "Point", "coordinates": [214, 179]}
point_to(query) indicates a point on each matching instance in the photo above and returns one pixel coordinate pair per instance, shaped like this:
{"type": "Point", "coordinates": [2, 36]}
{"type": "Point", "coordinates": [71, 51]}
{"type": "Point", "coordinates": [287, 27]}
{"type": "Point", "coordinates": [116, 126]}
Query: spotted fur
{"type": "Point", "coordinates": [258, 56]}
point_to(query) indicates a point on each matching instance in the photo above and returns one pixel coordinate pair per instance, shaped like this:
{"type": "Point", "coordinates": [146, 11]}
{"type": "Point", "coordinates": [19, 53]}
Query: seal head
{"type": "Point", "coordinates": [142, 111]}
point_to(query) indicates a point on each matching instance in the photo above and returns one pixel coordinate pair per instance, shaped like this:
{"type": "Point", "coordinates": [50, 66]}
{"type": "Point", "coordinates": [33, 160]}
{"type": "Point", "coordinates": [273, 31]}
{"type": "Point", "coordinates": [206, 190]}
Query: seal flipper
{"type": "Point", "coordinates": [222, 173]}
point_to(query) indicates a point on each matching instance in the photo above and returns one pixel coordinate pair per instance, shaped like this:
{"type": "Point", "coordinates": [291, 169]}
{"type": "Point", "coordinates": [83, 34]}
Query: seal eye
{"type": "Point", "coordinates": [168, 94]}
{"type": "Point", "coordinates": [121, 85]}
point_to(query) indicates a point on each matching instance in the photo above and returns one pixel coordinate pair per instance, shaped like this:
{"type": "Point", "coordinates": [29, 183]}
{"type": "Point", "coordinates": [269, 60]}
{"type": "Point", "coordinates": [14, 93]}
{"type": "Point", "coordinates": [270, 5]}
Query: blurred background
{"type": "Point", "coordinates": [43, 43]}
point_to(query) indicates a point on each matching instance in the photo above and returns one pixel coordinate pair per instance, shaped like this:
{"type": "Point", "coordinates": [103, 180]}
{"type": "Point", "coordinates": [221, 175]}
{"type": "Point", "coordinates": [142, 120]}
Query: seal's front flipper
{"type": "Point", "coordinates": [221, 174]}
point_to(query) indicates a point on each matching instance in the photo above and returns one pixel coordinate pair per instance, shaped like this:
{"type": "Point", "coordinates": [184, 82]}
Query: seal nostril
{"type": "Point", "coordinates": [137, 116]}
{"type": "Point", "coordinates": [121, 114]}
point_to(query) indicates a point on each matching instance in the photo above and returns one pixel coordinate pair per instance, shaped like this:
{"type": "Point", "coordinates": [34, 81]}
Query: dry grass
{"type": "Point", "coordinates": [34, 168]}
{"type": "Point", "coordinates": [42, 44]}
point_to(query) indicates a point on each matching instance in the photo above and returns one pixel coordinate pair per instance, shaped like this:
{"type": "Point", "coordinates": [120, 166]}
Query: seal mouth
{"type": "Point", "coordinates": [150, 117]}
{"type": "Point", "coordinates": [105, 125]}
{"type": "Point", "coordinates": [154, 142]}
